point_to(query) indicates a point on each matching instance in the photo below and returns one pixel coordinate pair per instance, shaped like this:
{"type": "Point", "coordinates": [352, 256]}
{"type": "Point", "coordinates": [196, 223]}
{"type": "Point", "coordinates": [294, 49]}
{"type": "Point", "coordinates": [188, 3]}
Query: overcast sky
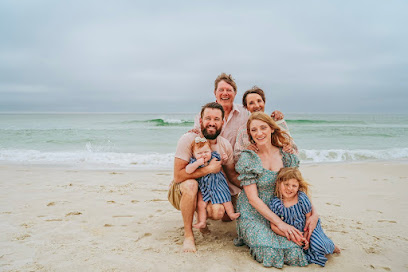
{"type": "Point", "coordinates": [163, 56]}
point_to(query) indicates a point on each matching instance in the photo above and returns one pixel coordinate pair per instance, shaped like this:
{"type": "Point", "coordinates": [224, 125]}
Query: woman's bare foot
{"type": "Point", "coordinates": [234, 215]}
{"type": "Point", "coordinates": [189, 245]}
{"type": "Point", "coordinates": [336, 249]}
{"type": "Point", "coordinates": [200, 225]}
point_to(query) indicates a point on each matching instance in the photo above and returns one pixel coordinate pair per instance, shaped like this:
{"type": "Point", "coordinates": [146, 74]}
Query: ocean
{"type": "Point", "coordinates": [148, 141]}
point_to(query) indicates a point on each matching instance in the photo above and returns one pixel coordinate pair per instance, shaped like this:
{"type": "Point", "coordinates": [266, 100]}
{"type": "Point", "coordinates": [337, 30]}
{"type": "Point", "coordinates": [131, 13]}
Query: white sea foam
{"type": "Point", "coordinates": [88, 159]}
{"type": "Point", "coordinates": [157, 161]}
{"type": "Point", "coordinates": [341, 155]}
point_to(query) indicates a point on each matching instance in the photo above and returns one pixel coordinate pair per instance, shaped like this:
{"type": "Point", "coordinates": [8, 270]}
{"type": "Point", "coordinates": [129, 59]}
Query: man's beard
{"type": "Point", "coordinates": [210, 136]}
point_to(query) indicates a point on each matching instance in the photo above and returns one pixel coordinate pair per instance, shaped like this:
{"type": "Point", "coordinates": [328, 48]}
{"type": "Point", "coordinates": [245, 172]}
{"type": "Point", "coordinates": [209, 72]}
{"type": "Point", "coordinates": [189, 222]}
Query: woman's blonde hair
{"type": "Point", "coordinates": [288, 173]}
{"type": "Point", "coordinates": [279, 137]}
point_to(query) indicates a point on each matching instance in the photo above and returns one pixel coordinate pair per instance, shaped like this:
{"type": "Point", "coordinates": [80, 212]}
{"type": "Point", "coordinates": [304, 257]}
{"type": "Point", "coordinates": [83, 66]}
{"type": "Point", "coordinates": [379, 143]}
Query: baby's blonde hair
{"type": "Point", "coordinates": [288, 173]}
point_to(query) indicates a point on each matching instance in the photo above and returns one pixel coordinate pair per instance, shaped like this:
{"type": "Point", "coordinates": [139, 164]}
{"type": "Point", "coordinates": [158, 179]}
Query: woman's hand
{"type": "Point", "coordinates": [292, 234]}
{"type": "Point", "coordinates": [277, 115]}
{"type": "Point", "coordinates": [310, 225]}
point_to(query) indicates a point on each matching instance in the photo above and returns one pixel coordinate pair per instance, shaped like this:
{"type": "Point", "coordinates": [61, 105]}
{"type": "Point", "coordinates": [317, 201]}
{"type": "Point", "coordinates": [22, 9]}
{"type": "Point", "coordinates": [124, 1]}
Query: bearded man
{"type": "Point", "coordinates": [183, 190]}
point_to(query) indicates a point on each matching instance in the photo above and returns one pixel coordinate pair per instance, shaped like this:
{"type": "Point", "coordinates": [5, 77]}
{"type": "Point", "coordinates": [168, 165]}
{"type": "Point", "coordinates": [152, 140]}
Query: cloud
{"type": "Point", "coordinates": [161, 56]}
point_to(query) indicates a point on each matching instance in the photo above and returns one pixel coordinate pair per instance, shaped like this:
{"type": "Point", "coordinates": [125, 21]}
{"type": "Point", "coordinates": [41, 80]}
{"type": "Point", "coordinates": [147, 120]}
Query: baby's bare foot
{"type": "Point", "coordinates": [189, 245]}
{"type": "Point", "coordinates": [234, 216]}
{"type": "Point", "coordinates": [336, 249]}
{"type": "Point", "coordinates": [200, 225]}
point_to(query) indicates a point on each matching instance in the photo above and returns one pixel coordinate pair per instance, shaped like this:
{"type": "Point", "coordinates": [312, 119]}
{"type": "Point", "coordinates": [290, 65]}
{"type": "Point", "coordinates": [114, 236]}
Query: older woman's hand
{"type": "Point", "coordinates": [277, 115]}
{"type": "Point", "coordinates": [288, 148]}
{"type": "Point", "coordinates": [253, 147]}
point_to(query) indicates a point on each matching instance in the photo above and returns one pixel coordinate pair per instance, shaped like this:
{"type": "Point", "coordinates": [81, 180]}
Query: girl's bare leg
{"type": "Point", "coordinates": [229, 209]}
{"type": "Point", "coordinates": [201, 213]}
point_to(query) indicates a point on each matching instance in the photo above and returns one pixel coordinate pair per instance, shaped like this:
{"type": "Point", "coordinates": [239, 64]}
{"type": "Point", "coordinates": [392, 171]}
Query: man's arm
{"type": "Point", "coordinates": [231, 174]}
{"type": "Point", "coordinates": [181, 175]}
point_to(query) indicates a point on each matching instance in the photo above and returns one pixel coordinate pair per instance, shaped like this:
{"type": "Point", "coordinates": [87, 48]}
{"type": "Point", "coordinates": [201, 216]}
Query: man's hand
{"type": "Point", "coordinates": [214, 166]}
{"type": "Point", "coordinates": [277, 115]}
{"type": "Point", "coordinates": [224, 158]}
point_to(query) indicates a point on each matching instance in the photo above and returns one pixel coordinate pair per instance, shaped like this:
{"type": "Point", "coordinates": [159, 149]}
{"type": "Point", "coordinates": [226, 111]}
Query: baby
{"type": "Point", "coordinates": [213, 187]}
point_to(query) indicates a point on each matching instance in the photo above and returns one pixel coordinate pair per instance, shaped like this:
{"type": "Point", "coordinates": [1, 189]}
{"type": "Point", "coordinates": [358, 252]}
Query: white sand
{"type": "Point", "coordinates": [54, 219]}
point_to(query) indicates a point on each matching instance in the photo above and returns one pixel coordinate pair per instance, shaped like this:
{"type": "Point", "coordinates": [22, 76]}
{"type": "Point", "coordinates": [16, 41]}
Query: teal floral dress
{"type": "Point", "coordinates": [253, 229]}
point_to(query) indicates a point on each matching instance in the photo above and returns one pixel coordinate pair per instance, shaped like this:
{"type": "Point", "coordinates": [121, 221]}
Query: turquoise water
{"type": "Point", "coordinates": [147, 141]}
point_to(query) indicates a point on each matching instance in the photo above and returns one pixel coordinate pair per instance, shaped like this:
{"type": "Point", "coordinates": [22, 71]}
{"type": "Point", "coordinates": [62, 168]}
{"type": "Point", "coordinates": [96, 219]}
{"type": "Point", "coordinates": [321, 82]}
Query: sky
{"type": "Point", "coordinates": [163, 56]}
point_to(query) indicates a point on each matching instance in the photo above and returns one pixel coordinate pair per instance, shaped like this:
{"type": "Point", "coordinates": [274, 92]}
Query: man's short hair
{"type": "Point", "coordinates": [212, 105]}
{"type": "Point", "coordinates": [255, 90]}
{"type": "Point", "coordinates": [226, 78]}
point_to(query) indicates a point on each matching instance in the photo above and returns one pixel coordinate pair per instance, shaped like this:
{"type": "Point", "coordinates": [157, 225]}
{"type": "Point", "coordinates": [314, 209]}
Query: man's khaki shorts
{"type": "Point", "coordinates": [174, 196]}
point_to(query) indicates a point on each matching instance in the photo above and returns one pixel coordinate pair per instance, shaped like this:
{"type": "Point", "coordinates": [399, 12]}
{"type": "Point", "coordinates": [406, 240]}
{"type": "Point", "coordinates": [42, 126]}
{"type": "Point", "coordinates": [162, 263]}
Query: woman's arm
{"type": "Point", "coordinates": [276, 230]}
{"type": "Point", "coordinates": [289, 231]}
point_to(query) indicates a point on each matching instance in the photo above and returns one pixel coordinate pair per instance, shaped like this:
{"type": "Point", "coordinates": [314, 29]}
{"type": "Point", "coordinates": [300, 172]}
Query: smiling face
{"type": "Point", "coordinates": [225, 94]}
{"type": "Point", "coordinates": [254, 102]}
{"type": "Point", "coordinates": [289, 188]}
{"type": "Point", "coordinates": [260, 132]}
{"type": "Point", "coordinates": [203, 152]}
{"type": "Point", "coordinates": [211, 123]}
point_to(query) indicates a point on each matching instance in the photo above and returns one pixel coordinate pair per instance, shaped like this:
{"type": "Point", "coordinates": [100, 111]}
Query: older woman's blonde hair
{"type": "Point", "coordinates": [279, 138]}
{"type": "Point", "coordinates": [288, 173]}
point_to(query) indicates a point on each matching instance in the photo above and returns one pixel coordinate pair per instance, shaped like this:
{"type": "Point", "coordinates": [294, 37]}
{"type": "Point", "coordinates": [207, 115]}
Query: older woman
{"type": "Point", "coordinates": [254, 101]}
{"type": "Point", "coordinates": [258, 175]}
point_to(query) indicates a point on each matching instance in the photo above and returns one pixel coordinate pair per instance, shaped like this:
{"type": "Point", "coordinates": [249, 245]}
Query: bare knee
{"type": "Point", "coordinates": [218, 211]}
{"type": "Point", "coordinates": [189, 188]}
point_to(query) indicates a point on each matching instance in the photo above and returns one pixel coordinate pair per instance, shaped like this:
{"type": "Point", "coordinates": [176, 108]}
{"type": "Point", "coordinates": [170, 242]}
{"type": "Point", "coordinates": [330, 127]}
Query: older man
{"type": "Point", "coordinates": [183, 190]}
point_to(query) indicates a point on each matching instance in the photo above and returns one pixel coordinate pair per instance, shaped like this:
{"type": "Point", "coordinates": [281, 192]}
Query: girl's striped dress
{"type": "Point", "coordinates": [295, 215]}
{"type": "Point", "coordinates": [214, 187]}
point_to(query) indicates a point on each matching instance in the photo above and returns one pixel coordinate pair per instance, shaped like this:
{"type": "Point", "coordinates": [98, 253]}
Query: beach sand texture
{"type": "Point", "coordinates": [61, 219]}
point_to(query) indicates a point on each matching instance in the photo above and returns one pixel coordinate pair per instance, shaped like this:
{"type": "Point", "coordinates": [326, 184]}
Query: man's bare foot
{"type": "Point", "coordinates": [200, 225]}
{"type": "Point", "coordinates": [336, 249]}
{"type": "Point", "coordinates": [234, 216]}
{"type": "Point", "coordinates": [189, 245]}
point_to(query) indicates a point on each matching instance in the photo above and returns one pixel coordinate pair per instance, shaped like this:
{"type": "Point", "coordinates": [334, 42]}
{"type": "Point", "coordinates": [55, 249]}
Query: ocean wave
{"type": "Point", "coordinates": [162, 122]}
{"type": "Point", "coordinates": [157, 161]}
{"type": "Point", "coordinates": [310, 121]}
{"type": "Point", "coordinates": [90, 159]}
{"type": "Point", "coordinates": [342, 155]}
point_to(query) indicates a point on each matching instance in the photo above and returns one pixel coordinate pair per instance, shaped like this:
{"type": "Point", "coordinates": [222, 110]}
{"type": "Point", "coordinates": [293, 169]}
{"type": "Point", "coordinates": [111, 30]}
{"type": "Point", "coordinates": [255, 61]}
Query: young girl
{"type": "Point", "coordinates": [292, 204]}
{"type": "Point", "coordinates": [213, 187]}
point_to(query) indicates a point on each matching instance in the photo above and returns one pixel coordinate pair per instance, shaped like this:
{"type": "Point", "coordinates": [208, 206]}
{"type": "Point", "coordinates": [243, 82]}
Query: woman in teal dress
{"type": "Point", "coordinates": [258, 173]}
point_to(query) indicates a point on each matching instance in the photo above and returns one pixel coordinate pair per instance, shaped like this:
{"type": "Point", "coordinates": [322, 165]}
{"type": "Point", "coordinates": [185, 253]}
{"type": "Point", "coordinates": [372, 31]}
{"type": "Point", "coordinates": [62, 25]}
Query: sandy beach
{"type": "Point", "coordinates": [65, 219]}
